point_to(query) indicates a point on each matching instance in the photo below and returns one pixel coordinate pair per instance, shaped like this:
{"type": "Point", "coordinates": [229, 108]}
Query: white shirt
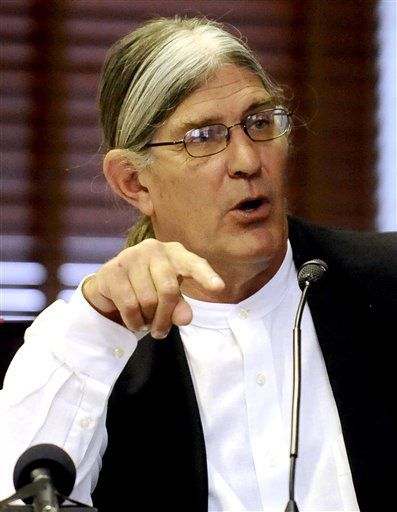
{"type": "Point", "coordinates": [240, 357]}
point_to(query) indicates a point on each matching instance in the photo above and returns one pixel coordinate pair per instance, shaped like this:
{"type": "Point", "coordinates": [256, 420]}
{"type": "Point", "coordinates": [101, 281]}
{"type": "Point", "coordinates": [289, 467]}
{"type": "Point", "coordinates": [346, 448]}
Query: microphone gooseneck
{"type": "Point", "coordinates": [310, 272]}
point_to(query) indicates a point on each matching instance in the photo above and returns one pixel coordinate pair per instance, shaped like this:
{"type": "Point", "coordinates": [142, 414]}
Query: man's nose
{"type": "Point", "coordinates": [244, 159]}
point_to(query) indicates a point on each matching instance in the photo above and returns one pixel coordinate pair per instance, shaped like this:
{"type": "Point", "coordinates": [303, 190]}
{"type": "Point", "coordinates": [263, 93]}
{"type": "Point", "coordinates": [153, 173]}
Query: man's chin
{"type": "Point", "coordinates": [246, 254]}
{"type": "Point", "coordinates": [258, 246]}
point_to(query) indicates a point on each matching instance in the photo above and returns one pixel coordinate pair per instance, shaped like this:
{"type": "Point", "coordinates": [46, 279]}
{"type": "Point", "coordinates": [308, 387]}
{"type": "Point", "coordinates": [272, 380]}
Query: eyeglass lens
{"type": "Point", "coordinates": [209, 140]}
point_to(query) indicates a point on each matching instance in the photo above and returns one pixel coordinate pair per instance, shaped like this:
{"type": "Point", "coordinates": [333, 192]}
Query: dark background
{"type": "Point", "coordinates": [56, 207]}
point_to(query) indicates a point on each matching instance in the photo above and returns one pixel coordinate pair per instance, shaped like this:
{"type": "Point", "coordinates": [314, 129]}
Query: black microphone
{"type": "Point", "coordinates": [309, 273]}
{"type": "Point", "coordinates": [52, 469]}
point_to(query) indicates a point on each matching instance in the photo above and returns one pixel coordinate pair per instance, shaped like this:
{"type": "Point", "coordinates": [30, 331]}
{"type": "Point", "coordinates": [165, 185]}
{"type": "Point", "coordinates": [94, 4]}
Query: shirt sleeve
{"type": "Point", "coordinates": [57, 387]}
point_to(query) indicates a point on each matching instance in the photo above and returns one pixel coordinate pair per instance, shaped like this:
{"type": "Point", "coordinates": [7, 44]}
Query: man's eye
{"type": "Point", "coordinates": [260, 122]}
{"type": "Point", "coordinates": [203, 137]}
{"type": "Point", "coordinates": [200, 136]}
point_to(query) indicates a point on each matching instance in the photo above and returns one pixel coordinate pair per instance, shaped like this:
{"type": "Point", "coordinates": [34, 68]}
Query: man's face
{"type": "Point", "coordinates": [194, 199]}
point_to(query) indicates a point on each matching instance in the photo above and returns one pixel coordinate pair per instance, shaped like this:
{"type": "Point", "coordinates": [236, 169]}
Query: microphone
{"type": "Point", "coordinates": [53, 472]}
{"type": "Point", "coordinates": [310, 272]}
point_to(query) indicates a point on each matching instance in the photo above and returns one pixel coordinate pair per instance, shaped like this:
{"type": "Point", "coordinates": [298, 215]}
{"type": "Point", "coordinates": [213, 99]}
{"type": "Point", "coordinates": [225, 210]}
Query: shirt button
{"type": "Point", "coordinates": [242, 313]}
{"type": "Point", "coordinates": [260, 379]}
{"type": "Point", "coordinates": [85, 422]}
{"type": "Point", "coordinates": [272, 460]}
{"type": "Point", "coordinates": [118, 352]}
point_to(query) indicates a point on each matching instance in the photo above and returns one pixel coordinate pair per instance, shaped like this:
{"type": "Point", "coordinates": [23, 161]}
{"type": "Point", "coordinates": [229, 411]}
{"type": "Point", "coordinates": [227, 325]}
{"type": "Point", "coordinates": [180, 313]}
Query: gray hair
{"type": "Point", "coordinates": [149, 72]}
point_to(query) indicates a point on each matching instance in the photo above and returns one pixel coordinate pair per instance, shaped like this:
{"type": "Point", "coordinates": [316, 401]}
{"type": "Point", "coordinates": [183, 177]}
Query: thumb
{"type": "Point", "coordinates": [182, 314]}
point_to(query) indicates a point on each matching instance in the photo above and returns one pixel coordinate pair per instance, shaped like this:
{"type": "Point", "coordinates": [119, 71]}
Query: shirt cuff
{"type": "Point", "coordinates": [91, 344]}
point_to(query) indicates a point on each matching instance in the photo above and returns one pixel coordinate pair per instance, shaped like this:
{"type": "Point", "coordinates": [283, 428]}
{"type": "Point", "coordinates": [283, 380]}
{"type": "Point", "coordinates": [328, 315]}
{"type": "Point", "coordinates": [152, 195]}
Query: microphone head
{"type": "Point", "coordinates": [57, 461]}
{"type": "Point", "coordinates": [311, 272]}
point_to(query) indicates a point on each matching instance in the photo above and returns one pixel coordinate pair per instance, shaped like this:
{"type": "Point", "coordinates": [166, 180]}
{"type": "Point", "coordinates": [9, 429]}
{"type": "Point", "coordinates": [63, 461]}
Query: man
{"type": "Point", "coordinates": [198, 142]}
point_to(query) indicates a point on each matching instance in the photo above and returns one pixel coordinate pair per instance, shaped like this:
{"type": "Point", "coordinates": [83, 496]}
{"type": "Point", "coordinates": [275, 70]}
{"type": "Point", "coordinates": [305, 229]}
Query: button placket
{"type": "Point", "coordinates": [266, 429]}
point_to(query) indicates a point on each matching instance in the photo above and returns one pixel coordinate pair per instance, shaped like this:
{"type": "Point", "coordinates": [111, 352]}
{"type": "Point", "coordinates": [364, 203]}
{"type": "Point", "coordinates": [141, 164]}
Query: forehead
{"type": "Point", "coordinates": [224, 97]}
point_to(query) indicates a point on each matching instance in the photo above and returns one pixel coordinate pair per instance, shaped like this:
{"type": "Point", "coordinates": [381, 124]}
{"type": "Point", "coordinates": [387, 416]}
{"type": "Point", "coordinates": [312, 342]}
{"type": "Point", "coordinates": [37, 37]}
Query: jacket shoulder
{"type": "Point", "coordinates": [367, 258]}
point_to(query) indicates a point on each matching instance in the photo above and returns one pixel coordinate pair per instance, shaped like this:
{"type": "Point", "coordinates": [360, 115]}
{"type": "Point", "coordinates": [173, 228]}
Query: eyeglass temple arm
{"type": "Point", "coordinates": [164, 143]}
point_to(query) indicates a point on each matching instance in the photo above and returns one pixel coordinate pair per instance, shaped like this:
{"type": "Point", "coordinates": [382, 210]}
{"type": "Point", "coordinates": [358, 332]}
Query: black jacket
{"type": "Point", "coordinates": [156, 457]}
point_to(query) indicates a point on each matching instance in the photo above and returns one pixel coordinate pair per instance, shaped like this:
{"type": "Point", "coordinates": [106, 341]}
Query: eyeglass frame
{"type": "Point", "coordinates": [242, 123]}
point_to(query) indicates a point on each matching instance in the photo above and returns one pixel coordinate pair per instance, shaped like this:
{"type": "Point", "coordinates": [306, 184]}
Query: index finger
{"type": "Point", "coordinates": [189, 265]}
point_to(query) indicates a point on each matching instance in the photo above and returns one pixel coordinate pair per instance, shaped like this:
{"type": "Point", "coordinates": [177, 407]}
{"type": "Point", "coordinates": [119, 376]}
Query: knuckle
{"type": "Point", "coordinates": [148, 301]}
{"type": "Point", "coordinates": [169, 293]}
{"type": "Point", "coordinates": [201, 261]}
{"type": "Point", "coordinates": [169, 288]}
{"type": "Point", "coordinates": [131, 308]}
{"type": "Point", "coordinates": [148, 241]}
{"type": "Point", "coordinates": [121, 255]}
{"type": "Point", "coordinates": [196, 265]}
{"type": "Point", "coordinates": [175, 245]}
{"type": "Point", "coordinates": [134, 254]}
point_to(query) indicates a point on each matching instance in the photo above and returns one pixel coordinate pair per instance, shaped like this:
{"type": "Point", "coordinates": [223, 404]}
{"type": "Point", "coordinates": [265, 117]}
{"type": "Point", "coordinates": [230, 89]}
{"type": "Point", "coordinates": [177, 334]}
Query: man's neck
{"type": "Point", "coordinates": [241, 281]}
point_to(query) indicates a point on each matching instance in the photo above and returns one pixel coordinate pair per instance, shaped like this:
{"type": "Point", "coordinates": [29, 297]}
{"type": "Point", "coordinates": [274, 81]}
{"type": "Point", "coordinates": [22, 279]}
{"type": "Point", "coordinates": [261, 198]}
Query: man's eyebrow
{"type": "Point", "coordinates": [190, 124]}
{"type": "Point", "coordinates": [269, 102]}
{"type": "Point", "coordinates": [195, 123]}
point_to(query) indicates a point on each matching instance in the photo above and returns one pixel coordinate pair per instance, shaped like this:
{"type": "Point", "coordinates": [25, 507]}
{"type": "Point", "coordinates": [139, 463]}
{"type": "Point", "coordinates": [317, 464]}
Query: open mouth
{"type": "Point", "coordinates": [250, 205]}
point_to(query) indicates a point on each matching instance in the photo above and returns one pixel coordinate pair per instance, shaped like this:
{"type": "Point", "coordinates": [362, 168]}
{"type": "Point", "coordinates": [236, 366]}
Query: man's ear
{"type": "Point", "coordinates": [123, 177]}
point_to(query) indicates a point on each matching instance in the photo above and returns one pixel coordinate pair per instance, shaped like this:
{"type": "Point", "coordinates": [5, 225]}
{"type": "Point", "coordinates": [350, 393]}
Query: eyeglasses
{"type": "Point", "coordinates": [210, 140]}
